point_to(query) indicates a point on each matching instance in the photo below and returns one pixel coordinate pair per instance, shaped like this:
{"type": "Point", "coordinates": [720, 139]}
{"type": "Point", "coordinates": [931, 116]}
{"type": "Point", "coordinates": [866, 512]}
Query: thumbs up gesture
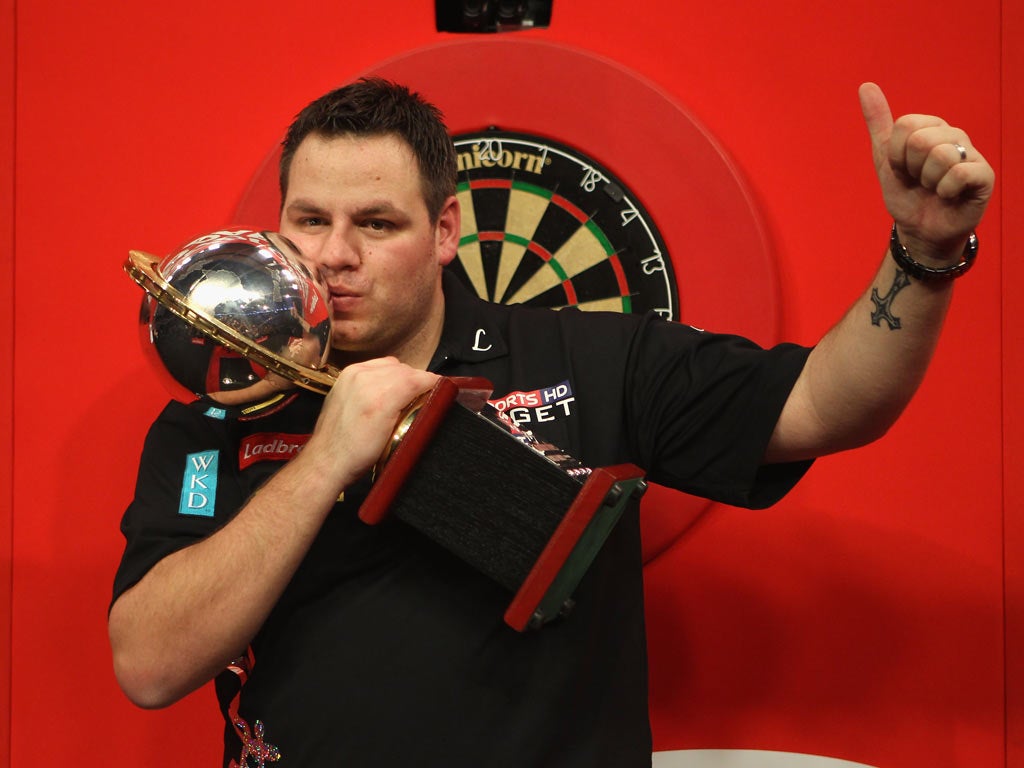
{"type": "Point", "coordinates": [935, 182]}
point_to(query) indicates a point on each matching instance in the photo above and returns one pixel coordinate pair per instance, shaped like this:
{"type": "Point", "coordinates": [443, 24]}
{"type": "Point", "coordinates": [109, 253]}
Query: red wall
{"type": "Point", "coordinates": [1013, 374]}
{"type": "Point", "coordinates": [861, 618]}
{"type": "Point", "coordinates": [7, 57]}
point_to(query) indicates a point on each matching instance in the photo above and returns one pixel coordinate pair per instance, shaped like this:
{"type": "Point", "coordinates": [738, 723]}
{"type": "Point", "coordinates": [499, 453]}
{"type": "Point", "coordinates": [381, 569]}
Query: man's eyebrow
{"type": "Point", "coordinates": [377, 207]}
{"type": "Point", "coordinates": [305, 206]}
{"type": "Point", "coordinates": [372, 208]}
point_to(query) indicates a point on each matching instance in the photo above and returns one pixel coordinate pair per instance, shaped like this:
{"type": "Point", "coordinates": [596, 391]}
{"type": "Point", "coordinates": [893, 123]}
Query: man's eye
{"type": "Point", "coordinates": [379, 226]}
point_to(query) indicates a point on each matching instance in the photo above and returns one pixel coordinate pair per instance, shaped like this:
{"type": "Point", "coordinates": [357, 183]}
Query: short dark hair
{"type": "Point", "coordinates": [374, 107]}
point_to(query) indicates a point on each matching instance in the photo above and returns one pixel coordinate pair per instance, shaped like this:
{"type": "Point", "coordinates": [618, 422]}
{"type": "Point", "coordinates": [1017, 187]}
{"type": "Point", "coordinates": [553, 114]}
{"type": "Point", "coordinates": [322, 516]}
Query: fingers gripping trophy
{"type": "Point", "coordinates": [236, 321]}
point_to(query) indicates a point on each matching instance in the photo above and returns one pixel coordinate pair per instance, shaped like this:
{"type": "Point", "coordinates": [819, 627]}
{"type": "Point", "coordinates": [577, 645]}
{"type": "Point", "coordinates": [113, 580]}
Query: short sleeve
{"type": "Point", "coordinates": [701, 409]}
{"type": "Point", "coordinates": [186, 488]}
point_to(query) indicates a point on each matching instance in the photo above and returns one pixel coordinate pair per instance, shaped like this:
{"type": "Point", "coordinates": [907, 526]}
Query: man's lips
{"type": "Point", "coordinates": [344, 298]}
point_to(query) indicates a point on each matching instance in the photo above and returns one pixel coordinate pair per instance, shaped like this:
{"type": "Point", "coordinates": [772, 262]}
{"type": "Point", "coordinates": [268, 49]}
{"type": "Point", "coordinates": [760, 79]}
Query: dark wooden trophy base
{"type": "Point", "coordinates": [498, 503]}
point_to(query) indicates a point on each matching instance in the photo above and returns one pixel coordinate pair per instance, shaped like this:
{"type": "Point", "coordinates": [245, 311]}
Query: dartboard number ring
{"type": "Point", "coordinates": [545, 225]}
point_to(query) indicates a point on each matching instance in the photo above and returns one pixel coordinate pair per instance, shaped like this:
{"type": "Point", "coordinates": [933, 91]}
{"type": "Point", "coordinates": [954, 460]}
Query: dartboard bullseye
{"type": "Point", "coordinates": [543, 224]}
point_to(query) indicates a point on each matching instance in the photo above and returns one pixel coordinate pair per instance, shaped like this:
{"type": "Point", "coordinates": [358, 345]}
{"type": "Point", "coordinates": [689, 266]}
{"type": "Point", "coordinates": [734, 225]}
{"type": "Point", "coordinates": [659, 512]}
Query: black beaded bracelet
{"type": "Point", "coordinates": [931, 274]}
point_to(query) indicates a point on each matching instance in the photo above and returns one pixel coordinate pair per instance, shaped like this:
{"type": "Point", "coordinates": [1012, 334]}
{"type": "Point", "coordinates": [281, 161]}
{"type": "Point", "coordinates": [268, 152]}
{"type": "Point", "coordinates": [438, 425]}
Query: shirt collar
{"type": "Point", "coordinates": [472, 330]}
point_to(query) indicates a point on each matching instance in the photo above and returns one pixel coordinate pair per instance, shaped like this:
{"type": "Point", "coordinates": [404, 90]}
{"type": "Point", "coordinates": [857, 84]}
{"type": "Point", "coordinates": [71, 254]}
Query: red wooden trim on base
{"type": "Point", "coordinates": [563, 541]}
{"type": "Point", "coordinates": [465, 389]}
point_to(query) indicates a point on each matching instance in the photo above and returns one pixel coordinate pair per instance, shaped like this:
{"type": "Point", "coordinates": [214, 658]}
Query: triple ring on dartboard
{"type": "Point", "coordinates": [543, 224]}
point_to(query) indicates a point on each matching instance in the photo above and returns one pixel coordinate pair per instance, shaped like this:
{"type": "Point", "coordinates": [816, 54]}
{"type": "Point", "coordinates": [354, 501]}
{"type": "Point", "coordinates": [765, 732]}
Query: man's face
{"type": "Point", "coordinates": [355, 209]}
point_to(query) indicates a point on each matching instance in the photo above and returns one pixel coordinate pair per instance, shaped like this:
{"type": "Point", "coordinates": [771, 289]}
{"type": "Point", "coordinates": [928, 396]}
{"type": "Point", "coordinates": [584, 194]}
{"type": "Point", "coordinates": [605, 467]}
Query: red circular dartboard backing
{"type": "Point", "coordinates": [583, 184]}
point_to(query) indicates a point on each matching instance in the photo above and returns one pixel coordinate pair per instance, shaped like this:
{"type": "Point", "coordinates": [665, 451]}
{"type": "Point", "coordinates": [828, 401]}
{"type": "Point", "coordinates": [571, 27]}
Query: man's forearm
{"type": "Point", "coordinates": [936, 186]}
{"type": "Point", "coordinates": [198, 608]}
{"type": "Point", "coordinates": [865, 370]}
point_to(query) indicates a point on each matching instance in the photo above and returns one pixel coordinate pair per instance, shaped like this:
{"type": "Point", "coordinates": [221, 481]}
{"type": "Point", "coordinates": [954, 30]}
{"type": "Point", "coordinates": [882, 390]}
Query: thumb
{"type": "Point", "coordinates": [877, 115]}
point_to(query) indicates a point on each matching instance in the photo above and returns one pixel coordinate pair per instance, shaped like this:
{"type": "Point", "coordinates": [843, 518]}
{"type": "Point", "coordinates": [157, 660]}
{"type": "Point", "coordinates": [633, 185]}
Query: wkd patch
{"type": "Point", "coordinates": [199, 487]}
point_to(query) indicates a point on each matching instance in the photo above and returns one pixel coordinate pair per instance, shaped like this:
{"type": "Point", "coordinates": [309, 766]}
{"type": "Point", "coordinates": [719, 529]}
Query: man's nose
{"type": "Point", "coordinates": [338, 251]}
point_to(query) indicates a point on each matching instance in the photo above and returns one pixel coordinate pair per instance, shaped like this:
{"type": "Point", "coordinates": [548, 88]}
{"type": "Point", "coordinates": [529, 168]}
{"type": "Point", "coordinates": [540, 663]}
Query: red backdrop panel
{"type": "Point", "coordinates": [7, 66]}
{"type": "Point", "coordinates": [1013, 375]}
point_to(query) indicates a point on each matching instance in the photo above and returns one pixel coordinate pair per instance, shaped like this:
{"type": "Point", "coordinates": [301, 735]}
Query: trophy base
{"type": "Point", "coordinates": [499, 504]}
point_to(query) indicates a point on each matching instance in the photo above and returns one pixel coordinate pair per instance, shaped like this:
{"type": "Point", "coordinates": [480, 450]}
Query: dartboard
{"type": "Point", "coordinates": [544, 224]}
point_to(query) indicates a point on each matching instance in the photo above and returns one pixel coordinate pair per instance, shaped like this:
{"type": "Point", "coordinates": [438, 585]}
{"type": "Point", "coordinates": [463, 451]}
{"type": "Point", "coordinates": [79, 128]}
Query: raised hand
{"type": "Point", "coordinates": [935, 183]}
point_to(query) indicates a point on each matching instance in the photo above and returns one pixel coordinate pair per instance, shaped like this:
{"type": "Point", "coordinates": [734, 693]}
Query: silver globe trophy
{"type": "Point", "coordinates": [235, 319]}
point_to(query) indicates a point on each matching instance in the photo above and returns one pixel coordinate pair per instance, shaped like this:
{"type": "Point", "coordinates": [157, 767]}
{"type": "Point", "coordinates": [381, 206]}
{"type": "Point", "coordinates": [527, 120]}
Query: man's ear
{"type": "Point", "coordinates": [448, 230]}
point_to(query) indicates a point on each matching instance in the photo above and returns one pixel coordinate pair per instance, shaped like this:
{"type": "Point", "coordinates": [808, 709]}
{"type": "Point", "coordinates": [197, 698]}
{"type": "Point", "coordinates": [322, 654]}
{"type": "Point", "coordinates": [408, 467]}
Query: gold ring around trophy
{"type": "Point", "coordinates": [144, 269]}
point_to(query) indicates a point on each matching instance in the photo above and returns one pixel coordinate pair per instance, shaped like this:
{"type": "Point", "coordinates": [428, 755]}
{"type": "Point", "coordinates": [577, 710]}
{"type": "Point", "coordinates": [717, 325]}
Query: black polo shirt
{"type": "Point", "coordinates": [385, 650]}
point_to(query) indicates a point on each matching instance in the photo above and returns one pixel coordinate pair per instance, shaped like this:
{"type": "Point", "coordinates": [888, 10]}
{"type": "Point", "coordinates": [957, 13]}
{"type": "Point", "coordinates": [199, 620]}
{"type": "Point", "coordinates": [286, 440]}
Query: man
{"type": "Point", "coordinates": [362, 646]}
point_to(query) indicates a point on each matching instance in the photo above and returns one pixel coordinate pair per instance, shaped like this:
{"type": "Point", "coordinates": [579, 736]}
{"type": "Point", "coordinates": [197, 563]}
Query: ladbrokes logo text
{"type": "Point", "coordinates": [269, 446]}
